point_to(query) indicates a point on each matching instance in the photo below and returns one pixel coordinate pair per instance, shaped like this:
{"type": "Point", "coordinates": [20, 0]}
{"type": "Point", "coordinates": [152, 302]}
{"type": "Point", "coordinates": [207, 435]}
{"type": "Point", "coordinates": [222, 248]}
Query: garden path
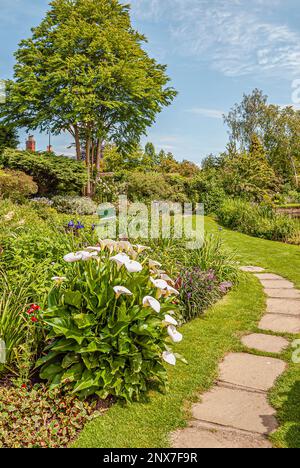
{"type": "Point", "coordinates": [236, 412]}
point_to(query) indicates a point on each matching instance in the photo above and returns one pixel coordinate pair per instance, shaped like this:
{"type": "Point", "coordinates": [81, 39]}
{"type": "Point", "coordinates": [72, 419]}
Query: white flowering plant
{"type": "Point", "coordinates": [112, 320]}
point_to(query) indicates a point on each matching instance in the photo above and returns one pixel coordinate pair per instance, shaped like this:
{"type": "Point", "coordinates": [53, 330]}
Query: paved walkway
{"type": "Point", "coordinates": [236, 412]}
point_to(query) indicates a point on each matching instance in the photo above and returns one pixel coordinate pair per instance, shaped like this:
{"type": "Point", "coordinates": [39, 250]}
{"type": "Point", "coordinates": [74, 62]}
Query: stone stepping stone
{"type": "Point", "coordinates": [269, 276]}
{"type": "Point", "coordinates": [196, 437]}
{"type": "Point", "coordinates": [238, 409]}
{"type": "Point", "coordinates": [265, 343]}
{"type": "Point", "coordinates": [277, 284]}
{"type": "Point", "coordinates": [252, 372]}
{"type": "Point", "coordinates": [252, 269]}
{"type": "Point", "coordinates": [280, 324]}
{"type": "Point", "coordinates": [283, 306]}
{"type": "Point", "coordinates": [283, 293]}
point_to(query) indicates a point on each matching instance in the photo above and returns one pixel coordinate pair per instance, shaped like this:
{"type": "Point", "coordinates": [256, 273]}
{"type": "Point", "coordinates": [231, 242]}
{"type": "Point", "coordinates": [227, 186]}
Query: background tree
{"type": "Point", "coordinates": [277, 128]}
{"type": "Point", "coordinates": [84, 71]}
{"type": "Point", "coordinates": [8, 137]}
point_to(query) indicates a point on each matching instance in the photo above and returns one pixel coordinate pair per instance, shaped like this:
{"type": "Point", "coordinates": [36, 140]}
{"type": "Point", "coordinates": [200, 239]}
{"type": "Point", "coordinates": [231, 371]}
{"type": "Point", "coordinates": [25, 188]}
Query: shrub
{"type": "Point", "coordinates": [212, 255]}
{"type": "Point", "coordinates": [147, 186]}
{"type": "Point", "coordinates": [16, 185]}
{"type": "Point", "coordinates": [198, 290]}
{"type": "Point", "coordinates": [74, 205]}
{"type": "Point", "coordinates": [256, 220]}
{"type": "Point", "coordinates": [53, 174]}
{"type": "Point", "coordinates": [108, 333]}
{"type": "Point", "coordinates": [39, 418]}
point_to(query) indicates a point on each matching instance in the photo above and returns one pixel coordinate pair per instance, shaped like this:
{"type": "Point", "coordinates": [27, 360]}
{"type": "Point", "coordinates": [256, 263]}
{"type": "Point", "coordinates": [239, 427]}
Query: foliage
{"type": "Point", "coordinates": [277, 127]}
{"type": "Point", "coordinates": [16, 185]}
{"type": "Point", "coordinates": [258, 221]}
{"type": "Point", "coordinates": [108, 334]}
{"type": "Point", "coordinates": [8, 137]}
{"type": "Point", "coordinates": [39, 418]}
{"type": "Point", "coordinates": [61, 60]}
{"type": "Point", "coordinates": [213, 255]}
{"type": "Point", "coordinates": [17, 331]}
{"type": "Point", "coordinates": [53, 174]}
{"type": "Point", "coordinates": [208, 187]}
{"type": "Point", "coordinates": [198, 291]}
{"type": "Point", "coordinates": [74, 205]}
{"type": "Point", "coordinates": [147, 186]}
{"type": "Point", "coordinates": [107, 190]}
{"type": "Point", "coordinates": [249, 176]}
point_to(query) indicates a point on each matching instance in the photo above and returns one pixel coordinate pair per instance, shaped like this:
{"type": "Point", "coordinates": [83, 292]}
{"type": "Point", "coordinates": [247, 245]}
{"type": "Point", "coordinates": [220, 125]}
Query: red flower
{"type": "Point", "coordinates": [24, 386]}
{"type": "Point", "coordinates": [35, 307]}
{"type": "Point", "coordinates": [30, 311]}
{"type": "Point", "coordinates": [34, 319]}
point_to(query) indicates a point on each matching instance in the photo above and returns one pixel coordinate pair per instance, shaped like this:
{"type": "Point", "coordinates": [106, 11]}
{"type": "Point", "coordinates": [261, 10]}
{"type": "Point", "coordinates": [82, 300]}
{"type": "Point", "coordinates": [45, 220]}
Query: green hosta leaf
{"type": "Point", "coordinates": [65, 345]}
{"type": "Point", "coordinates": [94, 347]}
{"type": "Point", "coordinates": [84, 320]}
{"type": "Point", "coordinates": [73, 298]}
{"type": "Point", "coordinates": [63, 326]}
{"type": "Point", "coordinates": [69, 360]}
{"type": "Point", "coordinates": [73, 374]}
{"type": "Point", "coordinates": [45, 359]}
{"type": "Point", "coordinates": [87, 381]}
{"type": "Point", "coordinates": [49, 371]}
{"type": "Point", "coordinates": [91, 361]}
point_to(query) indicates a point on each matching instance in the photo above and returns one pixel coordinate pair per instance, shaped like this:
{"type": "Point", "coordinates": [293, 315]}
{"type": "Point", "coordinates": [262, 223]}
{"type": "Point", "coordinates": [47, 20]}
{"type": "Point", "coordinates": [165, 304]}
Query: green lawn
{"type": "Point", "coordinates": [206, 341]}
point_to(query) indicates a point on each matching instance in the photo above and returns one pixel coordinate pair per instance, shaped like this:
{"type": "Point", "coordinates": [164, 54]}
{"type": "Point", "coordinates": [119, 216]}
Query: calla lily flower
{"type": "Point", "coordinates": [120, 290]}
{"type": "Point", "coordinates": [133, 267]}
{"type": "Point", "coordinates": [124, 245]}
{"type": "Point", "coordinates": [85, 256]}
{"type": "Point", "coordinates": [73, 257]}
{"type": "Point", "coordinates": [59, 279]}
{"type": "Point", "coordinates": [120, 259]}
{"type": "Point", "coordinates": [174, 334]}
{"type": "Point", "coordinates": [169, 357]}
{"type": "Point", "coordinates": [159, 284]}
{"type": "Point", "coordinates": [141, 248]}
{"type": "Point", "coordinates": [93, 249]}
{"type": "Point", "coordinates": [149, 301]}
{"type": "Point", "coordinates": [154, 264]}
{"type": "Point", "coordinates": [109, 243]}
{"type": "Point", "coordinates": [171, 291]}
{"type": "Point", "coordinates": [167, 278]}
{"type": "Point", "coordinates": [169, 320]}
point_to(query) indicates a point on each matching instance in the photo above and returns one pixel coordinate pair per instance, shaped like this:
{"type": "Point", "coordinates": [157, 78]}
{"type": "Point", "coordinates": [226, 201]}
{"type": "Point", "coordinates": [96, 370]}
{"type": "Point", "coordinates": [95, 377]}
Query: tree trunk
{"type": "Point", "coordinates": [88, 165]}
{"type": "Point", "coordinates": [99, 157]}
{"type": "Point", "coordinates": [77, 143]}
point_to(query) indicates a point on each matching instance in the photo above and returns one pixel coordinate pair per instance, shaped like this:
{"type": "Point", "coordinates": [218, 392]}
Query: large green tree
{"type": "Point", "coordinates": [84, 71]}
{"type": "Point", "coordinates": [277, 127]}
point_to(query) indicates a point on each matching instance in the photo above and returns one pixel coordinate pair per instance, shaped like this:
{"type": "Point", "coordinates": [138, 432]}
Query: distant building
{"type": "Point", "coordinates": [31, 144]}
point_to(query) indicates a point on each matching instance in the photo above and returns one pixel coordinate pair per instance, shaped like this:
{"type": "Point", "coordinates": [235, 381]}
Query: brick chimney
{"type": "Point", "coordinates": [30, 144]}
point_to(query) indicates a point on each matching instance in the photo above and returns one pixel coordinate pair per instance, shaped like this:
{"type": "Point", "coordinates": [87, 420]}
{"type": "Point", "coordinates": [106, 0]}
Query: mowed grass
{"type": "Point", "coordinates": [206, 341]}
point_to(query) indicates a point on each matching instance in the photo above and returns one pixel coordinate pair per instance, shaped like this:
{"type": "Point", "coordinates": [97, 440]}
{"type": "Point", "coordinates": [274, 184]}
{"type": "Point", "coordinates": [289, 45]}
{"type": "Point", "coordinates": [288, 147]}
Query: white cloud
{"type": "Point", "coordinates": [210, 113]}
{"type": "Point", "coordinates": [235, 38]}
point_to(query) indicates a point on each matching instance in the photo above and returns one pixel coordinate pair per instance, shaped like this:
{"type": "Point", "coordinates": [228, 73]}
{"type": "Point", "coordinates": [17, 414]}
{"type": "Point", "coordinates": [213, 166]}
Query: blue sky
{"type": "Point", "coordinates": [215, 51]}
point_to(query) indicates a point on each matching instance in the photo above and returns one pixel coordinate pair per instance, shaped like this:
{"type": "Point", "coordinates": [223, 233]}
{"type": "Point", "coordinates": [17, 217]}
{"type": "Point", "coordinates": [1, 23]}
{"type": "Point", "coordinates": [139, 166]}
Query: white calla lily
{"type": "Point", "coordinates": [93, 249]}
{"type": "Point", "coordinates": [154, 264]}
{"type": "Point", "coordinates": [141, 248]}
{"type": "Point", "coordinates": [159, 284]}
{"type": "Point", "coordinates": [124, 245]}
{"type": "Point", "coordinates": [169, 320]}
{"type": "Point", "coordinates": [167, 278]}
{"type": "Point", "coordinates": [169, 358]}
{"type": "Point", "coordinates": [59, 279]}
{"type": "Point", "coordinates": [110, 244]}
{"type": "Point", "coordinates": [149, 301]}
{"type": "Point", "coordinates": [85, 256]}
{"type": "Point", "coordinates": [174, 334]}
{"type": "Point", "coordinates": [73, 257]}
{"type": "Point", "coordinates": [120, 259]}
{"type": "Point", "coordinates": [172, 291]}
{"type": "Point", "coordinates": [120, 290]}
{"type": "Point", "coordinates": [133, 267]}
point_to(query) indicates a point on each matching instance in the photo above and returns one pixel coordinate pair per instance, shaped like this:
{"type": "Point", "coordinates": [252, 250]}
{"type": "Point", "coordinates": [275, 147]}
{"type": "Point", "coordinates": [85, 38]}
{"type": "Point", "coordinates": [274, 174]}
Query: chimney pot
{"type": "Point", "coordinates": [30, 144]}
